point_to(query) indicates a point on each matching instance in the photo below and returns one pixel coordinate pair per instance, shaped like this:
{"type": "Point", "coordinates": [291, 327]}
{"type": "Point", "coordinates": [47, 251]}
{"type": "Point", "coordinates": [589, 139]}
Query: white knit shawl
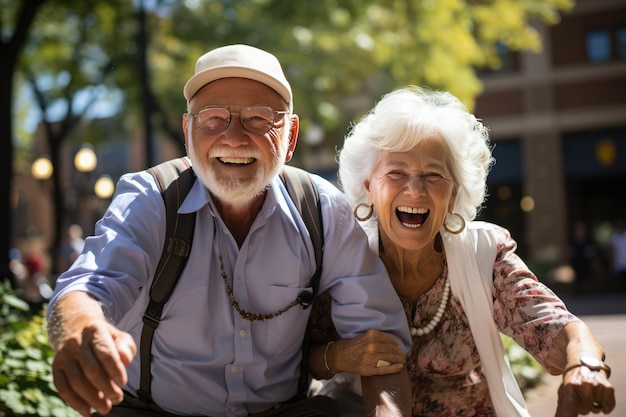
{"type": "Point", "coordinates": [470, 256]}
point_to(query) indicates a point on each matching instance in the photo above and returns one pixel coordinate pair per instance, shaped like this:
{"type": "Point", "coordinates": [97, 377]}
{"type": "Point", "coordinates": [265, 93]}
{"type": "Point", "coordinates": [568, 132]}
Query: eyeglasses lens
{"type": "Point", "coordinates": [257, 120]}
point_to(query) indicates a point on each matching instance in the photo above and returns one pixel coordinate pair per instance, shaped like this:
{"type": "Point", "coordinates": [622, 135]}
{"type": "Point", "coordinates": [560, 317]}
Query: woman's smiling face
{"type": "Point", "coordinates": [412, 192]}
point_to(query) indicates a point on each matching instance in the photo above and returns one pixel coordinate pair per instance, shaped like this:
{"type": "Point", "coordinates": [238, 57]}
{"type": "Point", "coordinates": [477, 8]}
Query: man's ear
{"type": "Point", "coordinates": [293, 136]}
{"type": "Point", "coordinates": [186, 130]}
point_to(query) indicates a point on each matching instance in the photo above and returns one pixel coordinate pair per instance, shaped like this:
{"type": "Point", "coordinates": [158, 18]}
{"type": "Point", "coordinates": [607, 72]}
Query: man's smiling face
{"type": "Point", "coordinates": [236, 165]}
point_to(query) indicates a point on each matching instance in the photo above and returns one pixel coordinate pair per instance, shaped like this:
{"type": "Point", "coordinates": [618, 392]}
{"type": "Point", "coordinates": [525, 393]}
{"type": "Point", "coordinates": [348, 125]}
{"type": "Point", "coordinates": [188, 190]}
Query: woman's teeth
{"type": "Point", "coordinates": [412, 217]}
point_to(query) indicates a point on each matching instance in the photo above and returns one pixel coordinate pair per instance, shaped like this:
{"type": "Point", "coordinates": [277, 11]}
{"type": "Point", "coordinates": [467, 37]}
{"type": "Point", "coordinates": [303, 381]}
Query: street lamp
{"type": "Point", "coordinates": [70, 199]}
{"type": "Point", "coordinates": [104, 187]}
{"type": "Point", "coordinates": [37, 211]}
{"type": "Point", "coordinates": [42, 168]}
{"type": "Point", "coordinates": [85, 162]}
{"type": "Point", "coordinates": [85, 159]}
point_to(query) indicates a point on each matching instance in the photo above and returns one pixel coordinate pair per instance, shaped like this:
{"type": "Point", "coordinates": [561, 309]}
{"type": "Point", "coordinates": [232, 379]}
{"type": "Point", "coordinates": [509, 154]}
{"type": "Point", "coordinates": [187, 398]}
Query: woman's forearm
{"type": "Point", "coordinates": [320, 359]}
{"type": "Point", "coordinates": [575, 340]}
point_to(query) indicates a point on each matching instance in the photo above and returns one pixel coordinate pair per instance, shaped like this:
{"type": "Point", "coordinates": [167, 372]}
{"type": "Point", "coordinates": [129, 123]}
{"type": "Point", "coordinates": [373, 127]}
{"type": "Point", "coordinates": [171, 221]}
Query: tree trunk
{"type": "Point", "coordinates": [10, 52]}
{"type": "Point", "coordinates": [6, 166]}
{"type": "Point", "coordinates": [144, 79]}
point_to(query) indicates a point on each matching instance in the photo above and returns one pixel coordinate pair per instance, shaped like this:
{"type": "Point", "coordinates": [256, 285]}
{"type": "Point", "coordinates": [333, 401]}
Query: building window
{"type": "Point", "coordinates": [620, 35]}
{"type": "Point", "coordinates": [598, 44]}
{"type": "Point", "coordinates": [509, 62]}
{"type": "Point", "coordinates": [506, 57]}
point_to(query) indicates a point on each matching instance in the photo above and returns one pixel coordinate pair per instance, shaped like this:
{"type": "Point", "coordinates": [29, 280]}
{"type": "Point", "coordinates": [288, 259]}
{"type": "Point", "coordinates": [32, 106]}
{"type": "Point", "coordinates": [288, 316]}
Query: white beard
{"type": "Point", "coordinates": [231, 189]}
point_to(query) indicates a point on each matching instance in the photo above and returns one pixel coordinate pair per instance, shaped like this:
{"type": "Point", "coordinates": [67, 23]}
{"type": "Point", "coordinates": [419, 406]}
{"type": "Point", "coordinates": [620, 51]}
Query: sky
{"type": "Point", "coordinates": [28, 115]}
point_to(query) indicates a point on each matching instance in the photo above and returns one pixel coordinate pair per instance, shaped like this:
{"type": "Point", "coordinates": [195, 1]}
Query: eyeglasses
{"type": "Point", "coordinates": [257, 120]}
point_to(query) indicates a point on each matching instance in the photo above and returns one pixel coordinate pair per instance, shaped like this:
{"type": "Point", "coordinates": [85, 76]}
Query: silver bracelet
{"type": "Point", "coordinates": [325, 353]}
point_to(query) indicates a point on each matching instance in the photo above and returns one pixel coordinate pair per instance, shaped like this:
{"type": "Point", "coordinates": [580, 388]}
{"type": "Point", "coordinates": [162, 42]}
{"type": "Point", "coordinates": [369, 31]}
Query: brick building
{"type": "Point", "coordinates": [558, 121]}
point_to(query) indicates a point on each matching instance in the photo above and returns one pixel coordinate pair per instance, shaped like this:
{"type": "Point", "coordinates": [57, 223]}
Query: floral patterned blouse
{"type": "Point", "coordinates": [444, 366]}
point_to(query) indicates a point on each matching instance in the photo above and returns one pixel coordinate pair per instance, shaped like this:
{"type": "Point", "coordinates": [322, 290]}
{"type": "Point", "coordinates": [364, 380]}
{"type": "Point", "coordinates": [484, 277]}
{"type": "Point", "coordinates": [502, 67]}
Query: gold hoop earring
{"type": "Point", "coordinates": [461, 220]}
{"type": "Point", "coordinates": [369, 213]}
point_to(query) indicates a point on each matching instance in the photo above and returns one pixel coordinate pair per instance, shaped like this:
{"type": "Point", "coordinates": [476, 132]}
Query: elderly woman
{"type": "Point", "coordinates": [415, 169]}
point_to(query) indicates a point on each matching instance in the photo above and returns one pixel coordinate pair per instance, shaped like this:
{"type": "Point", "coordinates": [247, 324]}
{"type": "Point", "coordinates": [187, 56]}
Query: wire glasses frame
{"type": "Point", "coordinates": [257, 120]}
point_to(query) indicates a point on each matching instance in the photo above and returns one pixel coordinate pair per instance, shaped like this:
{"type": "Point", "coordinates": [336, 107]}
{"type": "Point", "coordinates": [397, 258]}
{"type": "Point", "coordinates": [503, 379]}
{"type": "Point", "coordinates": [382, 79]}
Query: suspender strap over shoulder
{"type": "Point", "coordinates": [175, 178]}
{"type": "Point", "coordinates": [306, 199]}
{"type": "Point", "coordinates": [304, 195]}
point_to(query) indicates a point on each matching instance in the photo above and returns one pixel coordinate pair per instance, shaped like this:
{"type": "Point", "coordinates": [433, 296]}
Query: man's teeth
{"type": "Point", "coordinates": [236, 160]}
{"type": "Point", "coordinates": [413, 210]}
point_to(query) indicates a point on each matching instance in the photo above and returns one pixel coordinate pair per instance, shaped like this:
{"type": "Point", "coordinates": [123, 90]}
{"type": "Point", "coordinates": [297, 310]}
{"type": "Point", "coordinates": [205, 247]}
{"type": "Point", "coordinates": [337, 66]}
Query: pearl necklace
{"type": "Point", "coordinates": [421, 331]}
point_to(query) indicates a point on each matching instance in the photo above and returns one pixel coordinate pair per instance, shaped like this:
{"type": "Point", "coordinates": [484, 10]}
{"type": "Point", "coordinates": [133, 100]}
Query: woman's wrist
{"type": "Point", "coordinates": [326, 357]}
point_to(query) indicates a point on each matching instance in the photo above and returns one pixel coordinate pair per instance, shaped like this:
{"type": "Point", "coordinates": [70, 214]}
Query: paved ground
{"type": "Point", "coordinates": [606, 315]}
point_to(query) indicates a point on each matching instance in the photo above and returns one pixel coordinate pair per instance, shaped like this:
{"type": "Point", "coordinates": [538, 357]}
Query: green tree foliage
{"type": "Point", "coordinates": [15, 22]}
{"type": "Point", "coordinates": [340, 55]}
{"type": "Point", "coordinates": [26, 387]}
{"type": "Point", "coordinates": [69, 68]}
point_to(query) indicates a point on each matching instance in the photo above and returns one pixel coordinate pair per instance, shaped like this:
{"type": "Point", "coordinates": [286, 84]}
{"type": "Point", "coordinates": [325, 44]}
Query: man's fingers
{"type": "Point", "coordinates": [113, 350]}
{"type": "Point", "coordinates": [68, 395]}
{"type": "Point", "coordinates": [85, 369]}
{"type": "Point", "coordinates": [75, 387]}
{"type": "Point", "coordinates": [126, 347]}
{"type": "Point", "coordinates": [101, 363]}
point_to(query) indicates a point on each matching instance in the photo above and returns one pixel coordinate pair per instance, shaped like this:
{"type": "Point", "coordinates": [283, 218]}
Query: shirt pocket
{"type": "Point", "coordinates": [285, 333]}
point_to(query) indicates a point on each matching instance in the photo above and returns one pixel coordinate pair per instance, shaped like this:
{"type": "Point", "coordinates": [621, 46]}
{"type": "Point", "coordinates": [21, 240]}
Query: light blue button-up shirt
{"type": "Point", "coordinates": [207, 359]}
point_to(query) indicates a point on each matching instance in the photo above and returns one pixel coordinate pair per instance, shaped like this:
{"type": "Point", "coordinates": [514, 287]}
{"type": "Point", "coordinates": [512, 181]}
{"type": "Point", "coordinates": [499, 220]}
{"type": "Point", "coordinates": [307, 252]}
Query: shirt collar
{"type": "Point", "coordinates": [276, 200]}
{"type": "Point", "coordinates": [197, 198]}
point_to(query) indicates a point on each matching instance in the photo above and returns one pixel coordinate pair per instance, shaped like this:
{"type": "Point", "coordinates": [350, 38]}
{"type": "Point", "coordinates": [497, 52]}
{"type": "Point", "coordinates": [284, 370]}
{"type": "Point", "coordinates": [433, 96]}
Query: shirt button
{"type": "Point", "coordinates": [242, 333]}
{"type": "Point", "coordinates": [233, 408]}
{"type": "Point", "coordinates": [233, 369]}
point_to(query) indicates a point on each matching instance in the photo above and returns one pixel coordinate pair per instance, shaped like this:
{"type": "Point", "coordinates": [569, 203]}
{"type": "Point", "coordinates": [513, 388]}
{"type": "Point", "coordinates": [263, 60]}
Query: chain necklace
{"type": "Point", "coordinates": [245, 314]}
{"type": "Point", "coordinates": [421, 331]}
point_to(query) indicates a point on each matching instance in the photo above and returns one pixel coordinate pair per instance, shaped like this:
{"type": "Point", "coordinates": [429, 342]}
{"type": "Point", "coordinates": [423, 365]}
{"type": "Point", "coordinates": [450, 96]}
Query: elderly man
{"type": "Point", "coordinates": [226, 344]}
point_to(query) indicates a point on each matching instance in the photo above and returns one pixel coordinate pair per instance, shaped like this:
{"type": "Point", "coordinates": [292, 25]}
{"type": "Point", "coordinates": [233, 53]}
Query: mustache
{"type": "Point", "coordinates": [234, 153]}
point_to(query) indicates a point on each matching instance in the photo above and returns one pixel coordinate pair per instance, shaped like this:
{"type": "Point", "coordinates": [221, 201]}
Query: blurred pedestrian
{"type": "Point", "coordinates": [36, 289]}
{"type": "Point", "coordinates": [72, 247]}
{"type": "Point", "coordinates": [618, 251]}
{"type": "Point", "coordinates": [582, 251]}
{"type": "Point", "coordinates": [17, 268]}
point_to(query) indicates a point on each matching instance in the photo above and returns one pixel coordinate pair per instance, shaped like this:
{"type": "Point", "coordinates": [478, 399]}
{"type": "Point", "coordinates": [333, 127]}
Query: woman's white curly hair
{"type": "Point", "coordinates": [399, 121]}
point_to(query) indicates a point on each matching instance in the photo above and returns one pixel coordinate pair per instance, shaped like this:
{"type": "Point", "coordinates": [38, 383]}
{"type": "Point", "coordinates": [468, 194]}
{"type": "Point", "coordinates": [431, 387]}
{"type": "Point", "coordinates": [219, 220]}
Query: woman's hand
{"type": "Point", "coordinates": [583, 391]}
{"type": "Point", "coordinates": [372, 353]}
